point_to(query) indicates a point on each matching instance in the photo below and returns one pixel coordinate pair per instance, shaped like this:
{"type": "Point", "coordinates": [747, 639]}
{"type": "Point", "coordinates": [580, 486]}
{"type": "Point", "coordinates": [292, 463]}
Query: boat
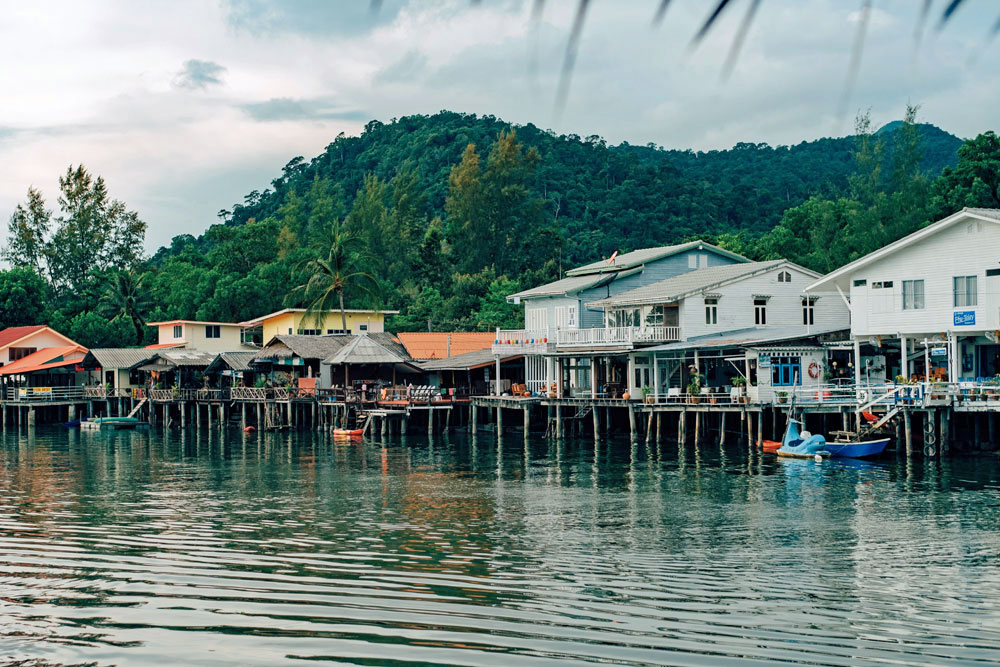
{"type": "Point", "coordinates": [352, 433]}
{"type": "Point", "coordinates": [801, 446]}
{"type": "Point", "coordinates": [770, 446]}
{"type": "Point", "coordinates": [116, 423]}
{"type": "Point", "coordinates": [73, 424]}
{"type": "Point", "coordinates": [857, 450]}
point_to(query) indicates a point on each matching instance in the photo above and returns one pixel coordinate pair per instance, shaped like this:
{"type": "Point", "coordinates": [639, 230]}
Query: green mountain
{"type": "Point", "coordinates": [602, 197]}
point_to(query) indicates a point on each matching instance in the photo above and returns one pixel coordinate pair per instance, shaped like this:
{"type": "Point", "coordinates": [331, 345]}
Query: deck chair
{"type": "Point", "coordinates": [673, 395]}
{"type": "Point", "coordinates": [869, 417]}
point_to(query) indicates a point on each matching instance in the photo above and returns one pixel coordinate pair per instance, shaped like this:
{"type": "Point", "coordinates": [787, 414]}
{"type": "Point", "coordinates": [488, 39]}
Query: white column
{"type": "Point", "coordinates": [656, 374]}
{"type": "Point", "coordinates": [593, 377]}
{"type": "Point", "coordinates": [904, 345]}
{"type": "Point", "coordinates": [955, 368]}
{"type": "Point", "coordinates": [498, 375]}
{"type": "Point", "coordinates": [631, 374]}
{"type": "Point", "coordinates": [857, 363]}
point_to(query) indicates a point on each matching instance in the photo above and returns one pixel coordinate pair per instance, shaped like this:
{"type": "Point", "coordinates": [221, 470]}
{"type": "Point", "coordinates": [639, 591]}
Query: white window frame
{"type": "Point", "coordinates": [808, 311]}
{"type": "Point", "coordinates": [178, 331]}
{"type": "Point", "coordinates": [711, 311]}
{"type": "Point", "coordinates": [965, 297]}
{"type": "Point", "coordinates": [213, 331]}
{"type": "Point", "coordinates": [760, 311]}
{"type": "Point", "coordinates": [536, 319]}
{"type": "Point", "coordinates": [917, 297]}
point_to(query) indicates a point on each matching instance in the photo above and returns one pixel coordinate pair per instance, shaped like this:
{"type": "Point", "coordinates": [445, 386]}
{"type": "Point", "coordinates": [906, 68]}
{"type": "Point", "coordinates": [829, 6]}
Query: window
{"type": "Point", "coordinates": [654, 316]}
{"type": "Point", "coordinates": [334, 331]}
{"type": "Point", "coordinates": [966, 291]}
{"type": "Point", "coordinates": [913, 295]}
{"type": "Point", "coordinates": [711, 311]}
{"type": "Point", "coordinates": [536, 319]}
{"type": "Point", "coordinates": [21, 352]}
{"type": "Point", "coordinates": [993, 272]}
{"type": "Point", "coordinates": [860, 283]}
{"type": "Point", "coordinates": [178, 331]}
{"type": "Point", "coordinates": [362, 327]}
{"type": "Point", "coordinates": [786, 371]}
{"type": "Point", "coordinates": [213, 331]}
{"type": "Point", "coordinates": [784, 277]}
{"type": "Point", "coordinates": [808, 311]}
{"type": "Point", "coordinates": [760, 311]}
{"type": "Point", "coordinates": [310, 332]}
{"type": "Point", "coordinates": [884, 284]}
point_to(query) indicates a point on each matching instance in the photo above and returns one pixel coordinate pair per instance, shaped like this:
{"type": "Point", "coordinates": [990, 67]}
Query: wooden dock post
{"type": "Point", "coordinates": [697, 426]}
{"type": "Point", "coordinates": [527, 421]}
{"type": "Point", "coordinates": [659, 425]}
{"type": "Point", "coordinates": [559, 425]}
{"type": "Point", "coordinates": [945, 430]}
{"type": "Point", "coordinates": [631, 421]}
{"type": "Point", "coordinates": [722, 427]}
{"type": "Point", "coordinates": [499, 421]}
{"type": "Point", "coordinates": [597, 424]}
{"type": "Point", "coordinates": [649, 428]}
{"type": "Point", "coordinates": [760, 429]}
{"type": "Point", "coordinates": [474, 413]}
{"type": "Point", "coordinates": [681, 419]}
{"type": "Point", "coordinates": [430, 420]}
{"type": "Point", "coordinates": [908, 429]}
{"type": "Point", "coordinates": [750, 436]}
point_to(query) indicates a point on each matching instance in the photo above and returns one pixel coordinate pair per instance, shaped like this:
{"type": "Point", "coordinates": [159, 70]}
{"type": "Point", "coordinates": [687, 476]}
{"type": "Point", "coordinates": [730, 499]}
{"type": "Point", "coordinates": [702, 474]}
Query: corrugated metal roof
{"type": "Point", "coordinates": [466, 361]}
{"type": "Point", "coordinates": [187, 357]}
{"type": "Point", "coordinates": [986, 212]}
{"type": "Point", "coordinates": [564, 286]}
{"type": "Point", "coordinates": [236, 361]}
{"type": "Point", "coordinates": [644, 255]}
{"type": "Point", "coordinates": [751, 337]}
{"type": "Point", "coordinates": [364, 350]}
{"type": "Point", "coordinates": [117, 357]}
{"type": "Point", "coordinates": [672, 289]}
{"type": "Point", "coordinates": [321, 347]}
{"type": "Point", "coordinates": [442, 344]}
{"type": "Point", "coordinates": [49, 357]}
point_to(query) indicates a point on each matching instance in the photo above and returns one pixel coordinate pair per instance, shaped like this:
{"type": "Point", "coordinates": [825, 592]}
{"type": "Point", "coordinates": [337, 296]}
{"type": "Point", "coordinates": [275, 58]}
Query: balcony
{"type": "Point", "coordinates": [616, 336]}
{"type": "Point", "coordinates": [523, 341]}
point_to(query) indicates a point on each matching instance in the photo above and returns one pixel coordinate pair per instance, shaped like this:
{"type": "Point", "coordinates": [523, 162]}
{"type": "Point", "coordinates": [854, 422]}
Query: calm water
{"type": "Point", "coordinates": [135, 548]}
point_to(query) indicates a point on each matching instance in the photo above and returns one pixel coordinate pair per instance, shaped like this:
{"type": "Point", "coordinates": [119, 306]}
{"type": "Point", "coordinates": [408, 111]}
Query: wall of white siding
{"type": "Point", "coordinates": [784, 307]}
{"type": "Point", "coordinates": [964, 249]}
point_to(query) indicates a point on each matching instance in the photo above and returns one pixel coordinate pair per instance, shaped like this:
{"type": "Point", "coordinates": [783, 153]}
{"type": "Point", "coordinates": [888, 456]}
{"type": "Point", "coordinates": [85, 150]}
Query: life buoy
{"type": "Point", "coordinates": [814, 370]}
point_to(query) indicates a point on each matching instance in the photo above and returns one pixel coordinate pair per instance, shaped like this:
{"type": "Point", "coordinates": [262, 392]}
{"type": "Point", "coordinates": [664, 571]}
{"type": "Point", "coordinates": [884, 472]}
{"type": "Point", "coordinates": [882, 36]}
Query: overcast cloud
{"type": "Point", "coordinates": [184, 107]}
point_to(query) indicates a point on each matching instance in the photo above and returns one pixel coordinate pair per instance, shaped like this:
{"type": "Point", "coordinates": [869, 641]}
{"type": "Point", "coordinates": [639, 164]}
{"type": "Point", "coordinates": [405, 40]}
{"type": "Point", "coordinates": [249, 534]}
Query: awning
{"type": "Point", "coordinates": [158, 366]}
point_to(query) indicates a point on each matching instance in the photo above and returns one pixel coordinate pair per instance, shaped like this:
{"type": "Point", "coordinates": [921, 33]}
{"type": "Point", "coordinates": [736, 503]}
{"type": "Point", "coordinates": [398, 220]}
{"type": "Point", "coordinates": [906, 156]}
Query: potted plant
{"type": "Point", "coordinates": [647, 394]}
{"type": "Point", "coordinates": [937, 390]}
{"type": "Point", "coordinates": [782, 396]}
{"type": "Point", "coordinates": [694, 388]}
{"type": "Point", "coordinates": [174, 391]}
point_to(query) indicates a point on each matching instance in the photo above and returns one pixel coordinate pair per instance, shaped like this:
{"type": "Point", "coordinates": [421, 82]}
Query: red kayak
{"type": "Point", "coordinates": [771, 446]}
{"type": "Point", "coordinates": [356, 432]}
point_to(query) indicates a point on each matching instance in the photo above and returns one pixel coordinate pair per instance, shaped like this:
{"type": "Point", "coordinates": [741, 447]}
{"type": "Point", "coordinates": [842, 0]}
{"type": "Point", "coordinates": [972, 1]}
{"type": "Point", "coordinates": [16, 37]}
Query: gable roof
{"type": "Point", "coordinates": [11, 335]}
{"type": "Point", "coordinates": [442, 344]}
{"type": "Point", "coordinates": [182, 357]}
{"type": "Point", "coordinates": [692, 282]}
{"type": "Point", "coordinates": [364, 350]}
{"type": "Point", "coordinates": [467, 361]}
{"type": "Point", "coordinates": [638, 257]}
{"type": "Point", "coordinates": [320, 347]}
{"type": "Point", "coordinates": [986, 214]}
{"type": "Point", "coordinates": [236, 361]}
{"type": "Point", "coordinates": [117, 357]}
{"type": "Point", "coordinates": [46, 358]}
{"type": "Point", "coordinates": [567, 285]}
{"type": "Point", "coordinates": [168, 322]}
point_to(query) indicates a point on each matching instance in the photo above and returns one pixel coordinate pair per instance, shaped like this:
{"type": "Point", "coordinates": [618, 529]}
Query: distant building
{"type": "Point", "coordinates": [198, 335]}
{"type": "Point", "coordinates": [294, 322]}
{"type": "Point", "coordinates": [444, 344]}
{"type": "Point", "coordinates": [19, 342]}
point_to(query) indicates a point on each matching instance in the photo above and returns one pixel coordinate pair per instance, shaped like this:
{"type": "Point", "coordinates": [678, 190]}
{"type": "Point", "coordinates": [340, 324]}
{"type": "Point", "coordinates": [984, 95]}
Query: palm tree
{"type": "Point", "coordinates": [126, 297]}
{"type": "Point", "coordinates": [329, 277]}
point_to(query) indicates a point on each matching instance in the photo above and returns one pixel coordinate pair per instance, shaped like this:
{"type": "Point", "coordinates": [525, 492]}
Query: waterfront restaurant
{"type": "Point", "coordinates": [928, 305]}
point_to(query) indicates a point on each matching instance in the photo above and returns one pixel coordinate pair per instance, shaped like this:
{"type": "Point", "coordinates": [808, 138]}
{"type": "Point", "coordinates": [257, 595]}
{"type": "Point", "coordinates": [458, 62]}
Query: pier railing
{"type": "Point", "coordinates": [42, 394]}
{"type": "Point", "coordinates": [522, 341]}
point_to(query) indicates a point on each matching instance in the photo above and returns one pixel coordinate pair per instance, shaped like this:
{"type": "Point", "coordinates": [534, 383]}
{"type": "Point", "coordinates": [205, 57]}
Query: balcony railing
{"type": "Point", "coordinates": [616, 336]}
{"type": "Point", "coordinates": [44, 393]}
{"type": "Point", "coordinates": [522, 340]}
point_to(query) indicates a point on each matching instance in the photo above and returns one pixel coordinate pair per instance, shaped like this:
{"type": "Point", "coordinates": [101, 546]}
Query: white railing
{"type": "Point", "coordinates": [616, 336]}
{"type": "Point", "coordinates": [522, 340]}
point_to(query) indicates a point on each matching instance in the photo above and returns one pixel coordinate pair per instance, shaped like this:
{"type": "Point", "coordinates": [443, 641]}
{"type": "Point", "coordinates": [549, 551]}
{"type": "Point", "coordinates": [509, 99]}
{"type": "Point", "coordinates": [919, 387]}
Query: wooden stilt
{"type": "Point", "coordinates": [597, 423]}
{"type": "Point", "coordinates": [527, 421]}
{"type": "Point", "coordinates": [659, 425]}
{"type": "Point", "coordinates": [722, 428]}
{"type": "Point", "coordinates": [760, 429]}
{"type": "Point", "coordinates": [908, 429]}
{"type": "Point", "coordinates": [631, 421]}
{"type": "Point", "coordinates": [944, 436]}
{"type": "Point", "coordinates": [649, 428]}
{"type": "Point", "coordinates": [559, 424]}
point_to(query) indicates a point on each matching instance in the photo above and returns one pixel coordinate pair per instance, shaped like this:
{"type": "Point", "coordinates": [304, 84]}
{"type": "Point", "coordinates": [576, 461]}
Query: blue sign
{"type": "Point", "coordinates": [939, 352]}
{"type": "Point", "coordinates": [965, 318]}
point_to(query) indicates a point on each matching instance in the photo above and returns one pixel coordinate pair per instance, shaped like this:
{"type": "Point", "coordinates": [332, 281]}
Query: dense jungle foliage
{"type": "Point", "coordinates": [442, 216]}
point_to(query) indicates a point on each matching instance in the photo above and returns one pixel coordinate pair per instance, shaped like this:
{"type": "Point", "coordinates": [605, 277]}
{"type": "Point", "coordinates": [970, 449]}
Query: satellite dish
{"type": "Point", "coordinates": [611, 260]}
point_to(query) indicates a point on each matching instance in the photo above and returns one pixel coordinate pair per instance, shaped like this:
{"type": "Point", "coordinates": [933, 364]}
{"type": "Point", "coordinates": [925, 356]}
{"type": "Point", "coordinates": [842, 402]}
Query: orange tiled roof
{"type": "Point", "coordinates": [444, 344]}
{"type": "Point", "coordinates": [11, 334]}
{"type": "Point", "coordinates": [49, 357]}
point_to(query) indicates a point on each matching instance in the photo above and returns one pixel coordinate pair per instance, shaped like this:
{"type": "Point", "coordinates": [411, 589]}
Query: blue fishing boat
{"type": "Point", "coordinates": [857, 450]}
{"type": "Point", "coordinates": [802, 445]}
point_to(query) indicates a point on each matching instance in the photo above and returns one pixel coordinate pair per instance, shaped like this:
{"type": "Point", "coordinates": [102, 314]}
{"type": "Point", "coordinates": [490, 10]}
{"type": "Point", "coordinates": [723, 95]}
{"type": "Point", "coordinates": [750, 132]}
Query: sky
{"type": "Point", "coordinates": [184, 107]}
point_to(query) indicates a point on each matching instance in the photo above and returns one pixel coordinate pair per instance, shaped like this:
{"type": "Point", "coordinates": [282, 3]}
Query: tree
{"type": "Point", "coordinates": [23, 296]}
{"type": "Point", "coordinates": [126, 299]}
{"type": "Point", "coordinates": [342, 269]}
{"type": "Point", "coordinates": [974, 181]}
{"type": "Point", "coordinates": [26, 232]}
{"type": "Point", "coordinates": [91, 330]}
{"type": "Point", "coordinates": [93, 231]}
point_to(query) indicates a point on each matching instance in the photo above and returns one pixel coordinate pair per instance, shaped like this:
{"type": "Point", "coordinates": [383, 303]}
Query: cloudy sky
{"type": "Point", "coordinates": [185, 106]}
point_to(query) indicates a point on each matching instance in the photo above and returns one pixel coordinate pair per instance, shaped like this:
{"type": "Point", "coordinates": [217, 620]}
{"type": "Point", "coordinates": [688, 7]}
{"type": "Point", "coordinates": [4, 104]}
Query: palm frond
{"type": "Point", "coordinates": [569, 59]}
{"type": "Point", "coordinates": [709, 22]}
{"type": "Point", "coordinates": [738, 39]}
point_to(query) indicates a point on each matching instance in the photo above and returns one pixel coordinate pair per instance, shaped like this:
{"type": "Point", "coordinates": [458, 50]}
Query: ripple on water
{"type": "Point", "coordinates": [145, 549]}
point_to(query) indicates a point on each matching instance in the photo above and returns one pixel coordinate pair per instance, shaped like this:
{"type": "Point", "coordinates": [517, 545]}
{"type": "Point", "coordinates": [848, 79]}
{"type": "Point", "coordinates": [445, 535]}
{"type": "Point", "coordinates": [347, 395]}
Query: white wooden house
{"type": "Point", "coordinates": [934, 294]}
{"type": "Point", "coordinates": [557, 317]}
{"type": "Point", "coordinates": [724, 314]}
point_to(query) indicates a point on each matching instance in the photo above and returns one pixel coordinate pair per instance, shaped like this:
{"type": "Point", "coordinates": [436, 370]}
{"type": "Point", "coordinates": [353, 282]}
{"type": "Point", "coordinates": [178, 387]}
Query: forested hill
{"type": "Point", "coordinates": [601, 198]}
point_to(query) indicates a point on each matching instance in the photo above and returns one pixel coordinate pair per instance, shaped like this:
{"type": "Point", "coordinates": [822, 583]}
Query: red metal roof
{"type": "Point", "coordinates": [444, 344]}
{"type": "Point", "coordinates": [163, 346]}
{"type": "Point", "coordinates": [50, 357]}
{"type": "Point", "coordinates": [11, 334]}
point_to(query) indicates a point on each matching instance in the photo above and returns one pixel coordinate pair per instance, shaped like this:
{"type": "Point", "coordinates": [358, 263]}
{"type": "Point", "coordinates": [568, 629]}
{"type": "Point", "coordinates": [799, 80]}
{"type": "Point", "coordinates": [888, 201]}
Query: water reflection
{"type": "Point", "coordinates": [206, 547]}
